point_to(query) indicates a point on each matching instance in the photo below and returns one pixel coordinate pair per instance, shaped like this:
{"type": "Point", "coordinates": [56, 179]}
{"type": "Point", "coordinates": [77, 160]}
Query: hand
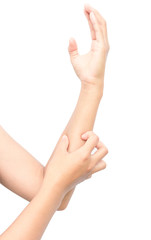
{"type": "Point", "coordinates": [90, 68]}
{"type": "Point", "coordinates": [69, 169]}
{"type": "Point", "coordinates": [100, 164]}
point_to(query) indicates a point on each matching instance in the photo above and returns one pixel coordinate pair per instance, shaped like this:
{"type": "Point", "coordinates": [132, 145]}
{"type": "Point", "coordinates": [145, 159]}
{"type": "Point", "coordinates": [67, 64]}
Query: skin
{"type": "Point", "coordinates": [90, 68]}
{"type": "Point", "coordinates": [64, 171]}
{"type": "Point", "coordinates": [43, 181]}
{"type": "Point", "coordinates": [22, 163]}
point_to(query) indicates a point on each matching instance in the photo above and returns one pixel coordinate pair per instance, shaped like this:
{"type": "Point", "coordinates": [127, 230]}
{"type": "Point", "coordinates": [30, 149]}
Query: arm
{"type": "Point", "coordinates": [82, 120]}
{"type": "Point", "coordinates": [19, 168]}
{"type": "Point", "coordinates": [76, 167]}
{"type": "Point", "coordinates": [16, 163]}
{"type": "Point", "coordinates": [31, 223]}
{"type": "Point", "coordinates": [90, 69]}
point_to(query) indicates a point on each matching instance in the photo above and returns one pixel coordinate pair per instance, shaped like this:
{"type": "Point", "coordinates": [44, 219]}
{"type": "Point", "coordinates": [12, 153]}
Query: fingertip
{"type": "Point", "coordinates": [64, 137]}
{"type": "Point", "coordinates": [92, 17]}
{"type": "Point", "coordinates": [105, 165]}
{"type": "Point", "coordinates": [87, 6]}
{"type": "Point", "coordinates": [71, 40]}
{"type": "Point", "coordinates": [84, 136]}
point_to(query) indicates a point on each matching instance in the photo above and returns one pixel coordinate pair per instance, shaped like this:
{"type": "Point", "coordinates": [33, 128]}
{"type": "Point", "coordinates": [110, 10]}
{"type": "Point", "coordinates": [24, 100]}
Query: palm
{"type": "Point", "coordinates": [90, 66]}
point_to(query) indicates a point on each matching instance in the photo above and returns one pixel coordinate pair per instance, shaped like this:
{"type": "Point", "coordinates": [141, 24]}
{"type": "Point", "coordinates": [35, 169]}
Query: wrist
{"type": "Point", "coordinates": [53, 186]}
{"type": "Point", "coordinates": [95, 89]}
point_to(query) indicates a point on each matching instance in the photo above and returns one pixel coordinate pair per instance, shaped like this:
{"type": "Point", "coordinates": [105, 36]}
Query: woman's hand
{"type": "Point", "coordinates": [90, 68]}
{"type": "Point", "coordinates": [69, 169]}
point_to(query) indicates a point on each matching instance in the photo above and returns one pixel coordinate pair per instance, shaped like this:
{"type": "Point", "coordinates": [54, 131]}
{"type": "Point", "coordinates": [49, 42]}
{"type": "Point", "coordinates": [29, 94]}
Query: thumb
{"type": "Point", "coordinates": [64, 143]}
{"type": "Point", "coordinates": [73, 48]}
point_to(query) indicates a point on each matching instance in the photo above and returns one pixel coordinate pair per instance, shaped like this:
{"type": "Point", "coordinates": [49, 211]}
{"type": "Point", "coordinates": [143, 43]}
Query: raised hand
{"type": "Point", "coordinates": [90, 67]}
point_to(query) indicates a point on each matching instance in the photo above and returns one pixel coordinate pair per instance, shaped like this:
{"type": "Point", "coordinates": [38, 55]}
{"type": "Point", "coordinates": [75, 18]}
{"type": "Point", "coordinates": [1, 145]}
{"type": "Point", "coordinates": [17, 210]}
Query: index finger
{"type": "Point", "coordinates": [101, 21]}
{"type": "Point", "coordinates": [98, 30]}
{"type": "Point", "coordinates": [90, 25]}
{"type": "Point", "coordinates": [90, 144]}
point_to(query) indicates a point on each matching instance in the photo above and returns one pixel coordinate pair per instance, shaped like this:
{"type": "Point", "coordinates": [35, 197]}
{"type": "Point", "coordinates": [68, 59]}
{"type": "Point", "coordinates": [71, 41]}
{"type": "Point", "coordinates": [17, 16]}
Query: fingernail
{"type": "Point", "coordinates": [64, 137]}
{"type": "Point", "coordinates": [84, 135]}
{"type": "Point", "coordinates": [92, 16]}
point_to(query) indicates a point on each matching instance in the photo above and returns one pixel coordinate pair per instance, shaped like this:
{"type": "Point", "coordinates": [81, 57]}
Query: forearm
{"type": "Point", "coordinates": [84, 115]}
{"type": "Point", "coordinates": [82, 120]}
{"type": "Point", "coordinates": [90, 68]}
{"type": "Point", "coordinates": [32, 222]}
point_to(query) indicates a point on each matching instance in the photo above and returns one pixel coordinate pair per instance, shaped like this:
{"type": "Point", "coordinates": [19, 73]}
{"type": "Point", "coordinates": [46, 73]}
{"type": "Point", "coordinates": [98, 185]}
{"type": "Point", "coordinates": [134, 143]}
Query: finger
{"type": "Point", "coordinates": [100, 144]}
{"type": "Point", "coordinates": [98, 30]}
{"type": "Point", "coordinates": [100, 166]}
{"type": "Point", "coordinates": [101, 21]}
{"type": "Point", "coordinates": [90, 144]}
{"type": "Point", "coordinates": [90, 25]}
{"type": "Point", "coordinates": [87, 134]}
{"type": "Point", "coordinates": [99, 154]}
{"type": "Point", "coordinates": [73, 48]}
{"type": "Point", "coordinates": [64, 142]}
{"type": "Point", "coordinates": [104, 26]}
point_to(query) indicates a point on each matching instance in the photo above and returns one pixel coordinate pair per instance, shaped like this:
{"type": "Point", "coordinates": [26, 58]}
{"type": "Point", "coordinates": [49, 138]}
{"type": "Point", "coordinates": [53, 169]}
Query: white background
{"type": "Point", "coordinates": [39, 90]}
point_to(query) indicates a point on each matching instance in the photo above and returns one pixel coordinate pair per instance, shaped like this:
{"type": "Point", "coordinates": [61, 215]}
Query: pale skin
{"type": "Point", "coordinates": [50, 188]}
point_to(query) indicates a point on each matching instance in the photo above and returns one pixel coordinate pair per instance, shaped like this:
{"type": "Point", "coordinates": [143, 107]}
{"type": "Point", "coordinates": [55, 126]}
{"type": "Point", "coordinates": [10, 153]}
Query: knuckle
{"type": "Point", "coordinates": [96, 138]}
{"type": "Point", "coordinates": [90, 133]}
{"type": "Point", "coordinates": [104, 165]}
{"type": "Point", "coordinates": [106, 150]}
{"type": "Point", "coordinates": [89, 169]}
{"type": "Point", "coordinates": [85, 155]}
{"type": "Point", "coordinates": [90, 176]}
